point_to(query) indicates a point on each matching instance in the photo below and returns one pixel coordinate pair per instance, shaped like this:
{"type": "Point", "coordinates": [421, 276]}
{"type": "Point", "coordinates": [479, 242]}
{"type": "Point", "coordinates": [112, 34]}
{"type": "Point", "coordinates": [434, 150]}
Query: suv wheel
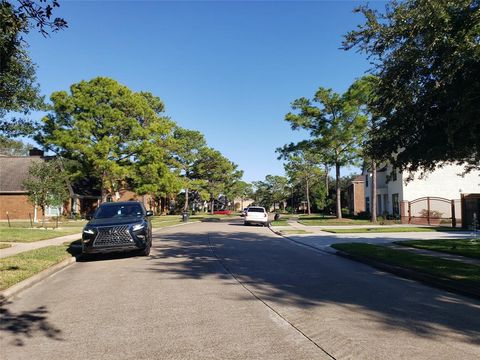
{"type": "Point", "coordinates": [146, 251]}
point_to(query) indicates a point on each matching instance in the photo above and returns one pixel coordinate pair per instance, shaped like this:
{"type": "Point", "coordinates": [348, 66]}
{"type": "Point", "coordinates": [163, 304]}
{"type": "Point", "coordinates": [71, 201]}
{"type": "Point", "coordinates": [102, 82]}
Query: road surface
{"type": "Point", "coordinates": [226, 291]}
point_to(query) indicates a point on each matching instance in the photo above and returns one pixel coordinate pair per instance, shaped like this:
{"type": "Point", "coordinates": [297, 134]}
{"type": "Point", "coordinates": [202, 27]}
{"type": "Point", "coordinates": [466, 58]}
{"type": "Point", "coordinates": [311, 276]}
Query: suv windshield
{"type": "Point", "coordinates": [119, 211]}
{"type": "Point", "coordinates": [256, 210]}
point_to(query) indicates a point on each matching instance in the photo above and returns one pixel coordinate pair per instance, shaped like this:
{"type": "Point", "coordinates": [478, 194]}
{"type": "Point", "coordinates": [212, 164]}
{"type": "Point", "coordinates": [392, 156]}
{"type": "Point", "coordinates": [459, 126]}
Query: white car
{"type": "Point", "coordinates": [256, 215]}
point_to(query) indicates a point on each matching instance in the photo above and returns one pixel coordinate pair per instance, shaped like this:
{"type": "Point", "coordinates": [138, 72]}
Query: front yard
{"type": "Point", "coordinates": [463, 247]}
{"type": "Point", "coordinates": [390, 230]}
{"type": "Point", "coordinates": [35, 234]}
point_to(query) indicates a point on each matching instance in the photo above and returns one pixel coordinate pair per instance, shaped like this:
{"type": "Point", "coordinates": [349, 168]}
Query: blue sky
{"type": "Point", "coordinates": [227, 68]}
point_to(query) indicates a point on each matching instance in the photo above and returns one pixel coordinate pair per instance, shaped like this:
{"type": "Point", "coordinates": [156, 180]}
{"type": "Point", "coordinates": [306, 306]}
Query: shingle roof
{"type": "Point", "coordinates": [14, 170]}
{"type": "Point", "coordinates": [359, 178]}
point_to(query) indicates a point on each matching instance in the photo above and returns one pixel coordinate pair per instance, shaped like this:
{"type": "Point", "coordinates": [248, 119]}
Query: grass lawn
{"type": "Point", "coordinates": [16, 268]}
{"type": "Point", "coordinates": [319, 221]}
{"type": "Point", "coordinates": [4, 246]}
{"type": "Point", "coordinates": [280, 222]}
{"type": "Point", "coordinates": [48, 225]}
{"type": "Point", "coordinates": [388, 230]}
{"type": "Point", "coordinates": [464, 247]}
{"type": "Point", "coordinates": [30, 235]}
{"type": "Point", "coordinates": [291, 232]}
{"type": "Point", "coordinates": [464, 274]}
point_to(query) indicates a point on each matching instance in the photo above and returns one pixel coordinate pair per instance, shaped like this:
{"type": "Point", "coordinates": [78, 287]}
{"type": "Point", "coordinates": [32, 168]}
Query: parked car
{"type": "Point", "coordinates": [222, 212]}
{"type": "Point", "coordinates": [118, 227]}
{"type": "Point", "coordinates": [256, 215]}
{"type": "Point", "coordinates": [244, 212]}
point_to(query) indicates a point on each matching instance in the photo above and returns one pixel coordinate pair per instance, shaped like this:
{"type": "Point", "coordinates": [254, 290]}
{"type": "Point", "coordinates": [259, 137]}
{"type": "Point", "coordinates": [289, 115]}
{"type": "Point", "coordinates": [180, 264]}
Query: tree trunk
{"type": "Point", "coordinates": [373, 214]}
{"type": "Point", "coordinates": [185, 208]}
{"type": "Point", "coordinates": [307, 187]}
{"type": "Point", "coordinates": [337, 186]}
{"type": "Point", "coordinates": [326, 178]}
{"type": "Point", "coordinates": [211, 205]}
{"type": "Point", "coordinates": [43, 215]}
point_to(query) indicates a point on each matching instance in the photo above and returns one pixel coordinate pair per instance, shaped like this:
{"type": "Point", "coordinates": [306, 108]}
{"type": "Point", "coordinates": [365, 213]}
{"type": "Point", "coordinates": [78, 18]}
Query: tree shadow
{"type": "Point", "coordinates": [27, 324]}
{"type": "Point", "coordinates": [284, 274]}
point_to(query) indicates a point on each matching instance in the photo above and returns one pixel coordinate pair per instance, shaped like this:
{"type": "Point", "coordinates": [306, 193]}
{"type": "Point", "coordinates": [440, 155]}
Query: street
{"type": "Point", "coordinates": [221, 290]}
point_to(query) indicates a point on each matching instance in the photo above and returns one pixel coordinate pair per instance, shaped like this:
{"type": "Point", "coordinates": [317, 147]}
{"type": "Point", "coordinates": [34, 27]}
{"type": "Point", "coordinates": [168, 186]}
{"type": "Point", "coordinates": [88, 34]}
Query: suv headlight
{"type": "Point", "coordinates": [137, 227]}
{"type": "Point", "coordinates": [88, 231]}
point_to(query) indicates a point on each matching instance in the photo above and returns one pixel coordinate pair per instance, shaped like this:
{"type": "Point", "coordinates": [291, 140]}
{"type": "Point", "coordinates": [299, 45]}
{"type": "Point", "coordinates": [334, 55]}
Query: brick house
{"type": "Point", "coordinates": [356, 195]}
{"type": "Point", "coordinates": [84, 197]}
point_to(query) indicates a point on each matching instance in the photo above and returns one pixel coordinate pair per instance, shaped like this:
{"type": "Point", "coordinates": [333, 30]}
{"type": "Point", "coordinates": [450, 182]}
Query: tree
{"type": "Point", "coordinates": [213, 172]}
{"type": "Point", "coordinates": [302, 167]}
{"type": "Point", "coordinates": [187, 145]}
{"type": "Point", "coordinates": [272, 191]}
{"type": "Point", "coordinates": [19, 91]}
{"type": "Point", "coordinates": [336, 128]}
{"type": "Point", "coordinates": [426, 55]}
{"type": "Point", "coordinates": [109, 128]}
{"type": "Point", "coordinates": [11, 147]}
{"type": "Point", "coordinates": [47, 184]}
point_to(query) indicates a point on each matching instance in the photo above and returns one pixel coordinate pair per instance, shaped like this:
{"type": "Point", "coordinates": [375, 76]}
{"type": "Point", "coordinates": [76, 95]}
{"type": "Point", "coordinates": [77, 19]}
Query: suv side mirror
{"type": "Point", "coordinates": [149, 213]}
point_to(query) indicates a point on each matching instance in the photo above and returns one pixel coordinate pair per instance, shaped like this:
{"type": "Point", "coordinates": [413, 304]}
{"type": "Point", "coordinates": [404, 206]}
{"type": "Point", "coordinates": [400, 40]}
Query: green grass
{"type": "Point", "coordinates": [463, 247]}
{"type": "Point", "coordinates": [462, 273]}
{"type": "Point", "coordinates": [16, 268]}
{"type": "Point", "coordinates": [280, 222]}
{"type": "Point", "coordinates": [318, 221]}
{"type": "Point", "coordinates": [388, 230]}
{"type": "Point", "coordinates": [48, 225]}
{"type": "Point", "coordinates": [291, 232]}
{"type": "Point", "coordinates": [30, 235]}
{"type": "Point", "coordinates": [4, 246]}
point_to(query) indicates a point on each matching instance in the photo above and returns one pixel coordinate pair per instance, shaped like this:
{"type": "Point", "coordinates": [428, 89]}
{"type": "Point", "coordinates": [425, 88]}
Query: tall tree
{"type": "Point", "coordinates": [271, 191]}
{"type": "Point", "coordinates": [427, 57]}
{"type": "Point", "coordinates": [19, 91]}
{"type": "Point", "coordinates": [11, 147]}
{"type": "Point", "coordinates": [187, 146]}
{"type": "Point", "coordinates": [46, 184]}
{"type": "Point", "coordinates": [105, 125]}
{"type": "Point", "coordinates": [336, 126]}
{"type": "Point", "coordinates": [214, 171]}
{"type": "Point", "coordinates": [302, 167]}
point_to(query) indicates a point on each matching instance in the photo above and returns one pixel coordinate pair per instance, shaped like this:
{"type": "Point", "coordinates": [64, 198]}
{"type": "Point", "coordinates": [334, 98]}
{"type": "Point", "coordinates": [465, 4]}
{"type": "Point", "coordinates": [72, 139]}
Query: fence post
{"type": "Point", "coordinates": [409, 212]}
{"type": "Point", "coordinates": [8, 219]}
{"type": "Point", "coordinates": [454, 218]}
{"type": "Point", "coordinates": [428, 210]}
{"type": "Point", "coordinates": [31, 222]}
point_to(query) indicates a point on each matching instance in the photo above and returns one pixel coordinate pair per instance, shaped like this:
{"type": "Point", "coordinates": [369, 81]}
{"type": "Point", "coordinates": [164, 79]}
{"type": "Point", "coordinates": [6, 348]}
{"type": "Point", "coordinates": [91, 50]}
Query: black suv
{"type": "Point", "coordinates": [118, 226]}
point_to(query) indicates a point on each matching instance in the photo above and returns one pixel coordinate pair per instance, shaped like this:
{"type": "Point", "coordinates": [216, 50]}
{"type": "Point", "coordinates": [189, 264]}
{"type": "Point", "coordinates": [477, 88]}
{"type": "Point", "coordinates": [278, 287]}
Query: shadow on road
{"type": "Point", "coordinates": [285, 274]}
{"type": "Point", "coordinates": [28, 324]}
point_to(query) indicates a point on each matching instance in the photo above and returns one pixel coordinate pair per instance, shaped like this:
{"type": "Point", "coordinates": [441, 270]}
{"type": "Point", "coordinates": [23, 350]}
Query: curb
{"type": "Point", "coordinates": [29, 282]}
{"type": "Point", "coordinates": [442, 283]}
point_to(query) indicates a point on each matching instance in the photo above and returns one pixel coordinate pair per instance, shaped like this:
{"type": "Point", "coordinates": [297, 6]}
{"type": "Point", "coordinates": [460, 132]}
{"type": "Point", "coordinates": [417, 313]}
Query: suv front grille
{"type": "Point", "coordinates": [113, 236]}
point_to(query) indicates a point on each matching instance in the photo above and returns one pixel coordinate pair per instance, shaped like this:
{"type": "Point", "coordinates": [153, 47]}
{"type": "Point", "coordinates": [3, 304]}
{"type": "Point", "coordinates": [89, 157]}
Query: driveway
{"type": "Point", "coordinates": [226, 291]}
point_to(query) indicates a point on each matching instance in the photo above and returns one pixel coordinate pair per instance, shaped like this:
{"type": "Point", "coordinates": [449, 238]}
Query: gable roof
{"type": "Point", "coordinates": [13, 171]}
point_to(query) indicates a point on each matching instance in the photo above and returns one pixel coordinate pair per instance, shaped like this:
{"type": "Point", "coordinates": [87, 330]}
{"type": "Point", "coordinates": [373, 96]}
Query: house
{"type": "Point", "coordinates": [14, 202]}
{"type": "Point", "coordinates": [356, 195]}
{"type": "Point", "coordinates": [434, 195]}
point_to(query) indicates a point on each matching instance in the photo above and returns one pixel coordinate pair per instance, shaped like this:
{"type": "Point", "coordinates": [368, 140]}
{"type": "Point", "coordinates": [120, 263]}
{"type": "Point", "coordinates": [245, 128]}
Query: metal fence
{"type": "Point", "coordinates": [431, 211]}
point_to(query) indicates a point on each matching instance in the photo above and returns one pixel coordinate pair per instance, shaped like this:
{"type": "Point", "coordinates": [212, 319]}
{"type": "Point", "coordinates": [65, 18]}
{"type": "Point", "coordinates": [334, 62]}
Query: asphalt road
{"type": "Point", "coordinates": [226, 291]}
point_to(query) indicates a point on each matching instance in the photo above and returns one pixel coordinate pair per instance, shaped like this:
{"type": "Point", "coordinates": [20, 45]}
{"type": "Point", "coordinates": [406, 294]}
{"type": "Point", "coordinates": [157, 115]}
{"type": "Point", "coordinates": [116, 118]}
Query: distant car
{"type": "Point", "coordinates": [222, 212]}
{"type": "Point", "coordinates": [244, 212]}
{"type": "Point", "coordinates": [256, 215]}
{"type": "Point", "coordinates": [118, 227]}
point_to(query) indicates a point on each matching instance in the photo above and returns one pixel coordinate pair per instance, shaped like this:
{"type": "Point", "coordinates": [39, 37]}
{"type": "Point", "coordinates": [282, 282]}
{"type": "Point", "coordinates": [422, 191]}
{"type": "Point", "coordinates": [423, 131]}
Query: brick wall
{"type": "Point", "coordinates": [359, 201]}
{"type": "Point", "coordinates": [17, 205]}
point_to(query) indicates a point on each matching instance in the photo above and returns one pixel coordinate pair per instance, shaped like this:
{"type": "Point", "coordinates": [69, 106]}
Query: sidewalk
{"type": "Point", "coordinates": [18, 247]}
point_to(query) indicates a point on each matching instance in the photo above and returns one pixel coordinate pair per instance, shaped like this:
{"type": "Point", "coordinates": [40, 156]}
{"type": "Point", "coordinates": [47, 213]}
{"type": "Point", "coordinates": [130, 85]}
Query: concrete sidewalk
{"type": "Point", "coordinates": [18, 247]}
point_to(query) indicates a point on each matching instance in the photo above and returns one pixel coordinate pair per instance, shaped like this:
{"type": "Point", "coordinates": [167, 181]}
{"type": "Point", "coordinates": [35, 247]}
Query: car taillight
{"type": "Point", "coordinates": [264, 215]}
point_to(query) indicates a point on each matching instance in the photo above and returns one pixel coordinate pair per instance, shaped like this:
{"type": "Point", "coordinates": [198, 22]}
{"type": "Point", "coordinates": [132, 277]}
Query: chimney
{"type": "Point", "coordinates": [35, 152]}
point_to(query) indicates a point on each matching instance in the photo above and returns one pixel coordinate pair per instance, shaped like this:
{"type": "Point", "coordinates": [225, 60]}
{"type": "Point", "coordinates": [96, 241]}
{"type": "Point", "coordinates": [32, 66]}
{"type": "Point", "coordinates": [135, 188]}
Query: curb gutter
{"type": "Point", "coordinates": [29, 282]}
{"type": "Point", "coordinates": [442, 283]}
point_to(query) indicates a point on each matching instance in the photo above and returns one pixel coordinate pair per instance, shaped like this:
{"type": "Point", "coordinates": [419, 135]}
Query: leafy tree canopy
{"type": "Point", "coordinates": [426, 55]}
{"type": "Point", "coordinates": [11, 147]}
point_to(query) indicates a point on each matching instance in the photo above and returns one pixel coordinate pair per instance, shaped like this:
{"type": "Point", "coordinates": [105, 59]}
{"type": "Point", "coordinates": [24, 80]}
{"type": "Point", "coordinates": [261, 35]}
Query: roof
{"type": "Point", "coordinates": [360, 178]}
{"type": "Point", "coordinates": [13, 171]}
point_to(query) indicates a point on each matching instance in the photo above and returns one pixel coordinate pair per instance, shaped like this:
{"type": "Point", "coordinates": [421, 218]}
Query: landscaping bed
{"type": "Point", "coordinates": [389, 230]}
{"type": "Point", "coordinates": [16, 268]}
{"type": "Point", "coordinates": [464, 247]}
{"type": "Point", "coordinates": [454, 275]}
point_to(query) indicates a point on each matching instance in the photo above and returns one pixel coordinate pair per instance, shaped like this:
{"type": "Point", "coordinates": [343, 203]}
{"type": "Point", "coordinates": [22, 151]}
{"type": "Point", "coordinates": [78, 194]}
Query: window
{"type": "Point", "coordinates": [366, 180]}
{"type": "Point", "coordinates": [395, 205]}
{"type": "Point", "coordinates": [394, 175]}
{"type": "Point", "coordinates": [367, 204]}
{"type": "Point", "coordinates": [53, 211]}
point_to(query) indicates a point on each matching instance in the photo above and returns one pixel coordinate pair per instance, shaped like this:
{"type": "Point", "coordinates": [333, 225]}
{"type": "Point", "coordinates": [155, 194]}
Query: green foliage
{"type": "Point", "coordinates": [427, 58]}
{"type": "Point", "coordinates": [117, 134]}
{"type": "Point", "coordinates": [19, 91]}
{"type": "Point", "coordinates": [11, 147]}
{"type": "Point", "coordinates": [273, 190]}
{"type": "Point", "coordinates": [47, 184]}
{"type": "Point", "coordinates": [214, 173]}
